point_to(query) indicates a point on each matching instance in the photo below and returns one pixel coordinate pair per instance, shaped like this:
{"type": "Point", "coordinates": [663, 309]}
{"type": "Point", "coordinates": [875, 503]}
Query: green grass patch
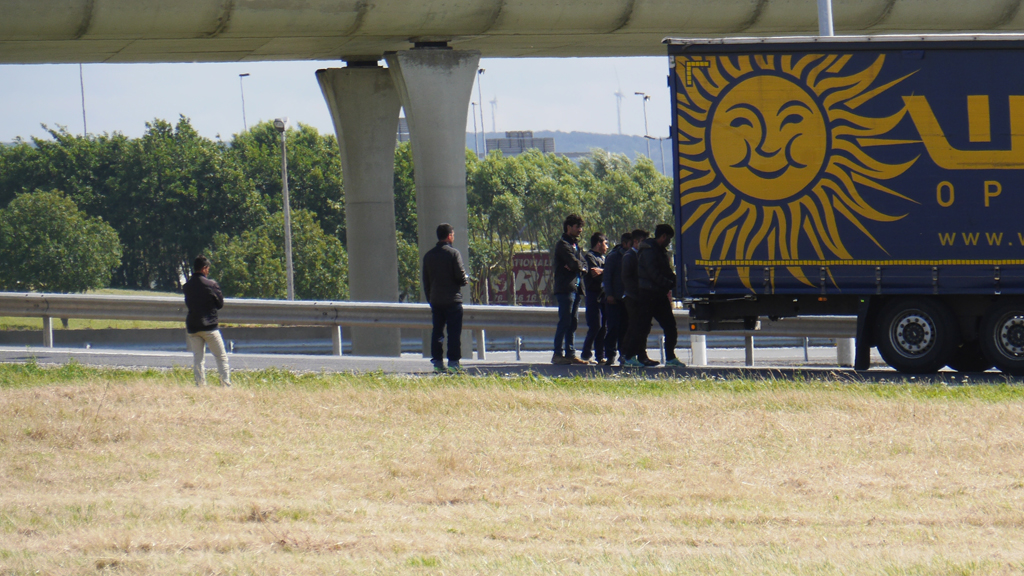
{"type": "Point", "coordinates": [31, 374]}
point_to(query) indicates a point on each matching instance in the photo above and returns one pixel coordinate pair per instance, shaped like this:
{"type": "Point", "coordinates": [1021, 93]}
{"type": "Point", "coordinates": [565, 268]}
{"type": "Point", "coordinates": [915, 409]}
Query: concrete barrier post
{"type": "Point", "coordinates": [336, 343]}
{"type": "Point", "coordinates": [47, 332]}
{"type": "Point", "coordinates": [364, 104]}
{"type": "Point", "coordinates": [748, 345]}
{"type": "Point", "coordinates": [698, 350]}
{"type": "Point", "coordinates": [481, 344]}
{"type": "Point", "coordinates": [844, 351]}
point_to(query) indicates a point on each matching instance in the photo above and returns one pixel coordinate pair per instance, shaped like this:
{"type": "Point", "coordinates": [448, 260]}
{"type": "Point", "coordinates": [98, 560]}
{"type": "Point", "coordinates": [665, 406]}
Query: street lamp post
{"type": "Point", "coordinates": [281, 124]}
{"type": "Point", "coordinates": [480, 94]}
{"type": "Point", "coordinates": [646, 132]}
{"type": "Point", "coordinates": [661, 149]}
{"type": "Point", "coordinates": [476, 143]}
{"type": "Point", "coordinates": [81, 82]}
{"type": "Point", "coordinates": [241, 88]}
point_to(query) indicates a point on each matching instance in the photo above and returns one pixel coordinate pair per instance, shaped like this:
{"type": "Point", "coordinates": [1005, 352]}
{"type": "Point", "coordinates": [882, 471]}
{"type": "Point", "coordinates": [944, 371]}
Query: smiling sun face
{"type": "Point", "coordinates": [771, 157]}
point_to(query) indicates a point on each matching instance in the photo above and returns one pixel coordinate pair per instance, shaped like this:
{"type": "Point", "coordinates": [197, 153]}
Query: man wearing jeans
{"type": "Point", "coordinates": [569, 266]}
{"type": "Point", "coordinates": [443, 279]}
{"type": "Point", "coordinates": [597, 319]}
{"type": "Point", "coordinates": [203, 298]}
{"type": "Point", "coordinates": [656, 281]}
{"type": "Point", "coordinates": [615, 307]}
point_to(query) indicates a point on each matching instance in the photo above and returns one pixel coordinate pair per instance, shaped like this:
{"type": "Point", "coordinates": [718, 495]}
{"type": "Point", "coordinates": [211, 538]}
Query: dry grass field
{"type": "Point", "coordinates": [117, 472]}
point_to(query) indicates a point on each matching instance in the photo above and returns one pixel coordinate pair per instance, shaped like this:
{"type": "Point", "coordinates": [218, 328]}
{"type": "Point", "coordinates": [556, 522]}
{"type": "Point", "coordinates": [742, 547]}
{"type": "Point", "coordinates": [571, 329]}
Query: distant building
{"type": "Point", "coordinates": [575, 156]}
{"type": "Point", "coordinates": [515, 143]}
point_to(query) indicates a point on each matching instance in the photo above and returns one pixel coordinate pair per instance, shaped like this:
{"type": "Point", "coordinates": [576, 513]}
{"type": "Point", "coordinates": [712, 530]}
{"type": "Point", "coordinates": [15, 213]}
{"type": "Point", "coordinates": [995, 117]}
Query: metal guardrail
{"type": "Point", "coordinates": [516, 319]}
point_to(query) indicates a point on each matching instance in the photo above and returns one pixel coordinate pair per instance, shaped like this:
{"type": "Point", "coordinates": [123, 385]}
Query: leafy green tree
{"type": "Point", "coordinates": [408, 270]}
{"type": "Point", "coordinates": [172, 191]}
{"type": "Point", "coordinates": [82, 167]}
{"type": "Point", "coordinates": [314, 171]}
{"type": "Point", "coordinates": [405, 193]}
{"type": "Point", "coordinates": [252, 264]}
{"type": "Point", "coordinates": [518, 203]}
{"type": "Point", "coordinates": [48, 245]}
{"type": "Point", "coordinates": [631, 195]}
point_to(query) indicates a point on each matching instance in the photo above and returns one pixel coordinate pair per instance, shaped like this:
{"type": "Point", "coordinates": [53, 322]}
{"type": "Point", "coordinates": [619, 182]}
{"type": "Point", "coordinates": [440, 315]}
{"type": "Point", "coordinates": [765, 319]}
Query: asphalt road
{"type": "Point", "coordinates": [724, 363]}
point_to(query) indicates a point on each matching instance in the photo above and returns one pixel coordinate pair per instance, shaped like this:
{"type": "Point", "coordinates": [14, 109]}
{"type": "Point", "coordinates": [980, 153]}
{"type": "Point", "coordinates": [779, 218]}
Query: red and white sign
{"type": "Point", "coordinates": [531, 281]}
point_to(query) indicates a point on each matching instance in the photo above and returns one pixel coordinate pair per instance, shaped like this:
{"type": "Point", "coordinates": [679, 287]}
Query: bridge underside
{"type": "Point", "coordinates": [61, 31]}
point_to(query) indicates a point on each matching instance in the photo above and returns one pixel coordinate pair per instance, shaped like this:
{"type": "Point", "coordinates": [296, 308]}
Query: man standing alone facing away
{"type": "Point", "coordinates": [569, 265]}
{"type": "Point", "coordinates": [203, 298]}
{"type": "Point", "coordinates": [443, 279]}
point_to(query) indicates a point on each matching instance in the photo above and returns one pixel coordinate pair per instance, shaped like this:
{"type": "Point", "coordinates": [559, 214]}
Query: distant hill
{"type": "Point", "coordinates": [631, 146]}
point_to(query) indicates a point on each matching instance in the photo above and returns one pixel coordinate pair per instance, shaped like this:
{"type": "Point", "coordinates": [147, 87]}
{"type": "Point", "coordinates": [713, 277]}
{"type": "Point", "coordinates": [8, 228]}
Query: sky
{"type": "Point", "coordinates": [567, 94]}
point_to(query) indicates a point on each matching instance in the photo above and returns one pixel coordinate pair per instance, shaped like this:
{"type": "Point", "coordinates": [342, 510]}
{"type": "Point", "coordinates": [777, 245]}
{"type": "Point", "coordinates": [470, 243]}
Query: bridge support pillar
{"type": "Point", "coordinates": [364, 105]}
{"type": "Point", "coordinates": [435, 85]}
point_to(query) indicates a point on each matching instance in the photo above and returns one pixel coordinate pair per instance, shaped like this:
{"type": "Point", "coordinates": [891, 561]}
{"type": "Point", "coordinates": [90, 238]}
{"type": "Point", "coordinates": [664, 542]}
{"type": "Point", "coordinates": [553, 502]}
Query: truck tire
{"type": "Point", "coordinates": [916, 335]}
{"type": "Point", "coordinates": [968, 357]}
{"type": "Point", "coordinates": [1002, 337]}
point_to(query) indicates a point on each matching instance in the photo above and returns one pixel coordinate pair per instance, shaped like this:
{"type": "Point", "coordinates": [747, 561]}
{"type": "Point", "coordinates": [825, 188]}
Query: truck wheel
{"type": "Point", "coordinates": [916, 335]}
{"type": "Point", "coordinates": [968, 357]}
{"type": "Point", "coordinates": [1002, 337]}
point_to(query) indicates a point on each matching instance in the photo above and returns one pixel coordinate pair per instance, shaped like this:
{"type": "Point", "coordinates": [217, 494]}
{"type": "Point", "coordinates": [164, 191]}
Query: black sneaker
{"type": "Point", "coordinates": [560, 360]}
{"type": "Point", "coordinates": [649, 362]}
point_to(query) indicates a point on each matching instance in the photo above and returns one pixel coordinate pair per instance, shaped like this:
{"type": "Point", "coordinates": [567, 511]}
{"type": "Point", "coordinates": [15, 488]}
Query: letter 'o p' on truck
{"type": "Point", "coordinates": [879, 177]}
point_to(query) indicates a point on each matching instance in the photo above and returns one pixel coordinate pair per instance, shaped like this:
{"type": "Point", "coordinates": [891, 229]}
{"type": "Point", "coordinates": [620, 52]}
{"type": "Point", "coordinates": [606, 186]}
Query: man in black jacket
{"type": "Point", "coordinates": [656, 281]}
{"type": "Point", "coordinates": [597, 320]}
{"type": "Point", "coordinates": [569, 265]}
{"type": "Point", "coordinates": [443, 279]}
{"type": "Point", "coordinates": [614, 306]}
{"type": "Point", "coordinates": [634, 343]}
{"type": "Point", "coordinates": [203, 298]}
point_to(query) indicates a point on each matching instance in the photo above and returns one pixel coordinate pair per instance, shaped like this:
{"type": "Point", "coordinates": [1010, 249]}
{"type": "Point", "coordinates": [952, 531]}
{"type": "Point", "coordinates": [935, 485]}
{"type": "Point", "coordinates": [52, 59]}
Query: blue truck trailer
{"type": "Point", "coordinates": [879, 177]}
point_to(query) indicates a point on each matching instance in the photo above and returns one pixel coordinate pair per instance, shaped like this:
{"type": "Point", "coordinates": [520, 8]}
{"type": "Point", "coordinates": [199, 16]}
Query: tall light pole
{"type": "Point", "coordinates": [282, 125]}
{"type": "Point", "coordinates": [646, 133]}
{"type": "Point", "coordinates": [81, 82]}
{"type": "Point", "coordinates": [618, 108]}
{"type": "Point", "coordinates": [242, 89]}
{"type": "Point", "coordinates": [660, 149]}
{"type": "Point", "coordinates": [494, 108]}
{"type": "Point", "coordinates": [480, 94]}
{"type": "Point", "coordinates": [476, 143]}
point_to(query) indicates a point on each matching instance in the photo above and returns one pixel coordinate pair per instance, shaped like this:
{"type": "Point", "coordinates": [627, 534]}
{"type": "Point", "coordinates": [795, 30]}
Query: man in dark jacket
{"type": "Point", "coordinates": [634, 343]}
{"type": "Point", "coordinates": [597, 320]}
{"type": "Point", "coordinates": [656, 281]}
{"type": "Point", "coordinates": [443, 279]}
{"type": "Point", "coordinates": [569, 265]}
{"type": "Point", "coordinates": [614, 306]}
{"type": "Point", "coordinates": [203, 298]}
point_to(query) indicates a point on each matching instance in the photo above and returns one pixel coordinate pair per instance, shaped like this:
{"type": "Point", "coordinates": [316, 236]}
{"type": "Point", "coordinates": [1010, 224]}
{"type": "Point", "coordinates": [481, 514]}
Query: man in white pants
{"type": "Point", "coordinates": [203, 298]}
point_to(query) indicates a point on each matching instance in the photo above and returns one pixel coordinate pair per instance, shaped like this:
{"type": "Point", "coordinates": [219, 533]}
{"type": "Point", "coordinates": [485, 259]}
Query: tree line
{"type": "Point", "coordinates": [80, 212]}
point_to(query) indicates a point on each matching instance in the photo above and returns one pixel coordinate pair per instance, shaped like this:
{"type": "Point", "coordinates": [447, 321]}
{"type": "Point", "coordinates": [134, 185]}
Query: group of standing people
{"type": "Point", "coordinates": [625, 290]}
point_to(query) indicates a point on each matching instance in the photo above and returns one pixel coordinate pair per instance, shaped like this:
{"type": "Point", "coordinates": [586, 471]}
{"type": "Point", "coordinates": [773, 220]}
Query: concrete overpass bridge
{"type": "Point", "coordinates": [432, 49]}
{"type": "Point", "coordinates": [239, 30]}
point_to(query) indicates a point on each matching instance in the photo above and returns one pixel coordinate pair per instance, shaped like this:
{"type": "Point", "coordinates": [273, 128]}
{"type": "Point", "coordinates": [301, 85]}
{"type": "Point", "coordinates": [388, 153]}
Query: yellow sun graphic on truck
{"type": "Point", "coordinates": [772, 156]}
